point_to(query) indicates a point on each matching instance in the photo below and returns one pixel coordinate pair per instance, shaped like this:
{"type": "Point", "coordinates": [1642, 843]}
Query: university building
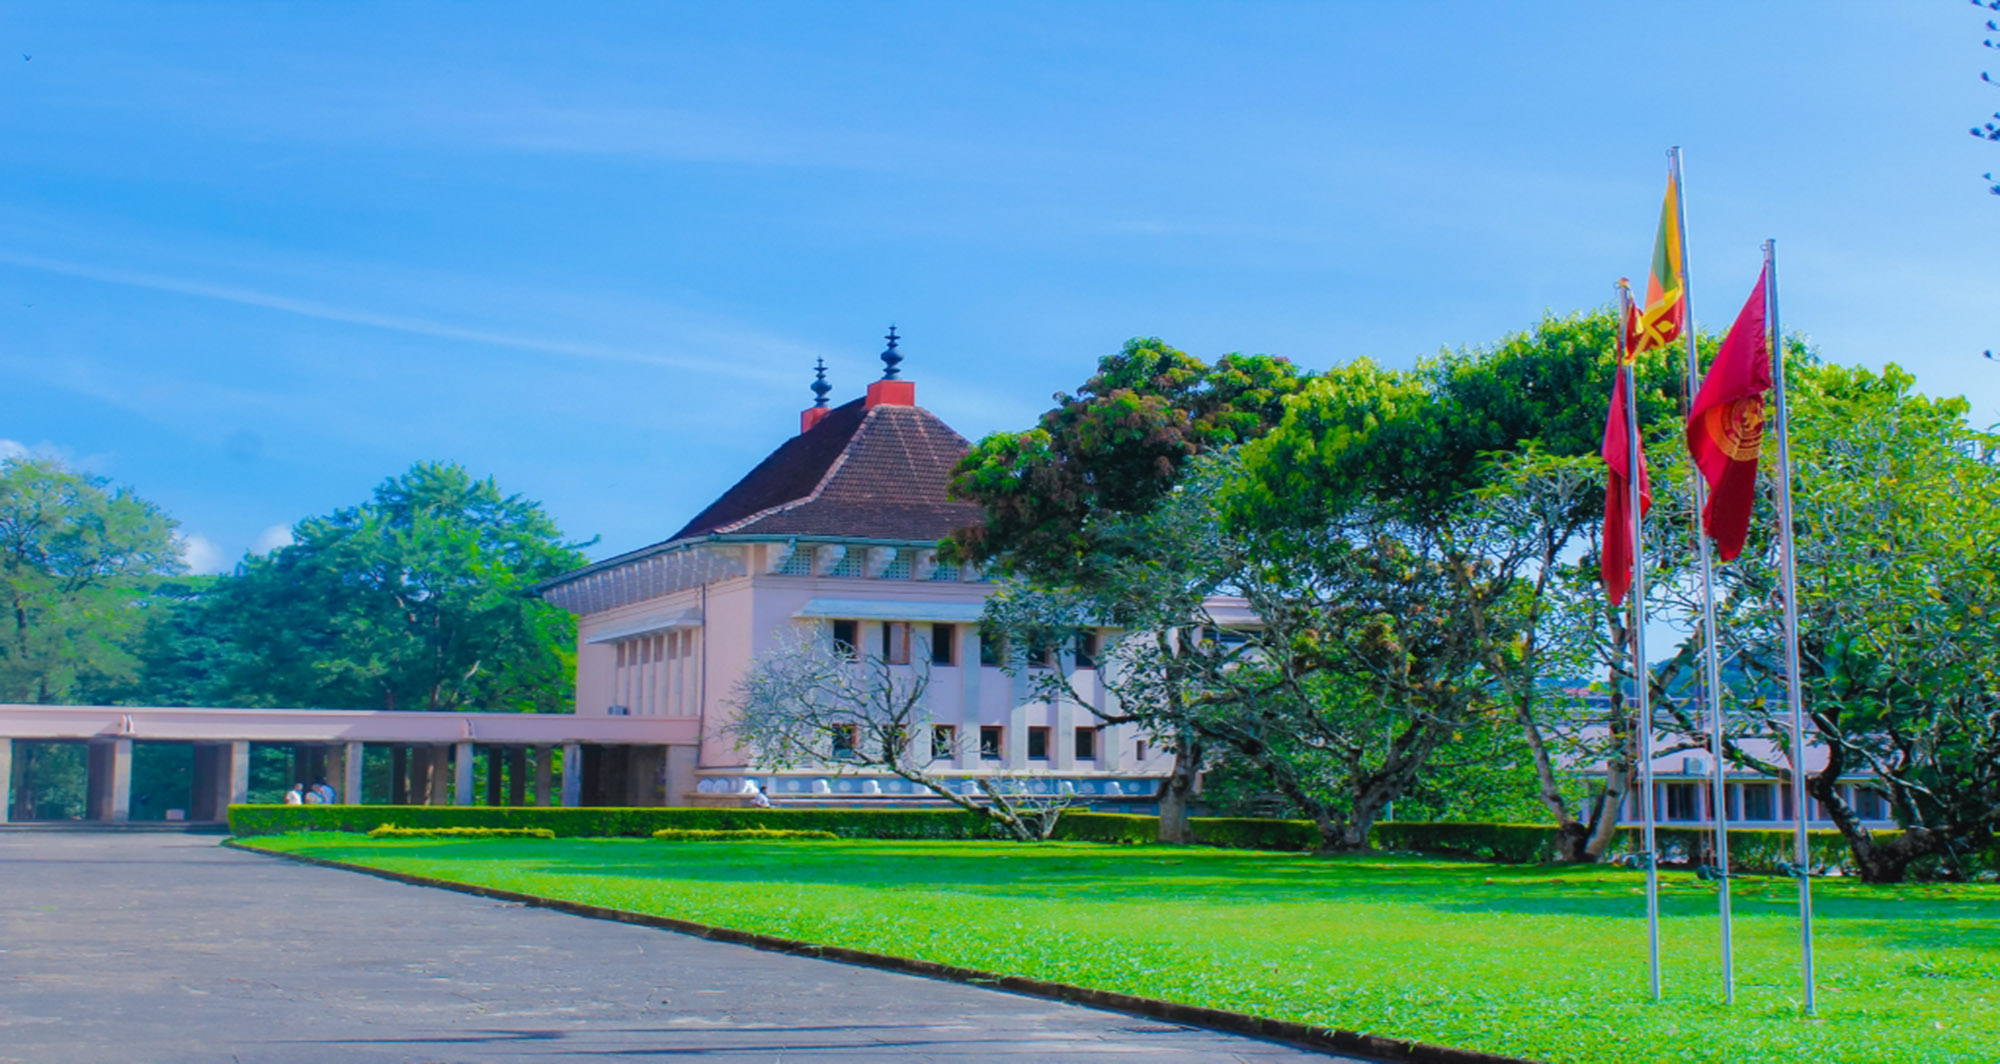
{"type": "Point", "coordinates": [834, 536]}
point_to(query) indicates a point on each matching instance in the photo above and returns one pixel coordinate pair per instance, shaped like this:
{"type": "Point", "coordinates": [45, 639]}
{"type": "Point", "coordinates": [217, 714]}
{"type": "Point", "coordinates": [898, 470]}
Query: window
{"type": "Point", "coordinates": [1757, 802]}
{"type": "Point", "coordinates": [846, 636]}
{"type": "Point", "coordinates": [990, 742]}
{"type": "Point", "coordinates": [1038, 744]}
{"type": "Point", "coordinates": [1086, 648]}
{"type": "Point", "coordinates": [896, 642]}
{"type": "Point", "coordinates": [1683, 801]}
{"type": "Point", "coordinates": [992, 650]}
{"type": "Point", "coordinates": [1140, 751]}
{"type": "Point", "coordinates": [1086, 744]}
{"type": "Point", "coordinates": [1042, 657]}
{"type": "Point", "coordinates": [944, 742]}
{"type": "Point", "coordinates": [1869, 804]}
{"type": "Point", "coordinates": [844, 737]}
{"type": "Point", "coordinates": [944, 644]}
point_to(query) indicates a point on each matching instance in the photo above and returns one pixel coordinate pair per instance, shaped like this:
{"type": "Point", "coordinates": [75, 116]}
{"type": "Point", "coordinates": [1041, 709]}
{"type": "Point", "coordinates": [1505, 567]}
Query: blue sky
{"type": "Point", "coordinates": [256, 258]}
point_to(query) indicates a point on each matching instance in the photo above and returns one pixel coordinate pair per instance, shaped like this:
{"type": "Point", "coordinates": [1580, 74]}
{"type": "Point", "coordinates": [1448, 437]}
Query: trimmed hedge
{"type": "Point", "coordinates": [1755, 850]}
{"type": "Point", "coordinates": [738, 835]}
{"type": "Point", "coordinates": [1253, 833]}
{"type": "Point", "coordinates": [248, 820]}
{"type": "Point", "coordinates": [1513, 843]}
{"type": "Point", "coordinates": [392, 831]}
{"type": "Point", "coordinates": [1123, 829]}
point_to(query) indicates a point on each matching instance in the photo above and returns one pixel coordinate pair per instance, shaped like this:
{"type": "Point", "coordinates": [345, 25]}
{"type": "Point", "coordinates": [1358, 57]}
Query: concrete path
{"type": "Point", "coordinates": [153, 947]}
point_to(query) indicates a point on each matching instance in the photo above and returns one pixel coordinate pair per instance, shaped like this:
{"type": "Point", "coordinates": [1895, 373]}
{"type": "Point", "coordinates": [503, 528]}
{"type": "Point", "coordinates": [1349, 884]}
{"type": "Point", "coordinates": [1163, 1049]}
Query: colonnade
{"type": "Point", "coordinates": [568, 774]}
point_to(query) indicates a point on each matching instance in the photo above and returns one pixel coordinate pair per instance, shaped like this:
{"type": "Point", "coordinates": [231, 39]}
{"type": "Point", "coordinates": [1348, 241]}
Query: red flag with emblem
{"type": "Point", "coordinates": [1725, 427]}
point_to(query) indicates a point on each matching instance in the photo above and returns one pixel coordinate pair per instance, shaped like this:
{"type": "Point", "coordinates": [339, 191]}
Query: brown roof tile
{"type": "Point", "coordinates": [866, 472]}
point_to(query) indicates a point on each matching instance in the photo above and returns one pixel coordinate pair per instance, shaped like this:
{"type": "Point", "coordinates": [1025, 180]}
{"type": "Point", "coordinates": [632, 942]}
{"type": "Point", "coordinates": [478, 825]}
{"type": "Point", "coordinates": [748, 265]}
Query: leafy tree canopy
{"type": "Point", "coordinates": [77, 561]}
{"type": "Point", "coordinates": [1116, 447]}
{"type": "Point", "coordinates": [417, 599]}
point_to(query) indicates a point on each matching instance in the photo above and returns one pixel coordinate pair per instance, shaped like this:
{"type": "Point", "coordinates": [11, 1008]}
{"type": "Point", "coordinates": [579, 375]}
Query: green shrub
{"type": "Point", "coordinates": [1254, 833]}
{"type": "Point", "coordinates": [738, 834]}
{"type": "Point", "coordinates": [1514, 843]}
{"type": "Point", "coordinates": [1123, 829]}
{"type": "Point", "coordinates": [392, 831]}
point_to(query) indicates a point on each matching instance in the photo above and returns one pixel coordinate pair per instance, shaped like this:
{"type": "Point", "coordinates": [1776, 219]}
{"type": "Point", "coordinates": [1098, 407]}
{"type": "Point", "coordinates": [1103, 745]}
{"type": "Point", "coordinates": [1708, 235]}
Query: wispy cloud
{"type": "Point", "coordinates": [416, 326]}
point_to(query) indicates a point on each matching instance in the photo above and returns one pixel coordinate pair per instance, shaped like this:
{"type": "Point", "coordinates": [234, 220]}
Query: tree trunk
{"type": "Point", "coordinates": [1176, 795]}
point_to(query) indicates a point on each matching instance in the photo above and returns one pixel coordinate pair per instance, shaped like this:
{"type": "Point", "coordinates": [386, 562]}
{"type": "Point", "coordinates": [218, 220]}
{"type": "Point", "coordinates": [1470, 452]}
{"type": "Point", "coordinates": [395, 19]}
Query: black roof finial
{"type": "Point", "coordinates": [890, 357]}
{"type": "Point", "coordinates": [819, 386]}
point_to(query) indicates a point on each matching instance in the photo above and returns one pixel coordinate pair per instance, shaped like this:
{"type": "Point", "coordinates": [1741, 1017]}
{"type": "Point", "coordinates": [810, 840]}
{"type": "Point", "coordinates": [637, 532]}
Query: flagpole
{"type": "Point", "coordinates": [1794, 693]}
{"type": "Point", "coordinates": [1711, 651]}
{"type": "Point", "coordinates": [1642, 679]}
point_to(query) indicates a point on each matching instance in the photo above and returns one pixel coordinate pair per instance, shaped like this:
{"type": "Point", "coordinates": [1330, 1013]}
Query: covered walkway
{"type": "Point", "coordinates": [77, 762]}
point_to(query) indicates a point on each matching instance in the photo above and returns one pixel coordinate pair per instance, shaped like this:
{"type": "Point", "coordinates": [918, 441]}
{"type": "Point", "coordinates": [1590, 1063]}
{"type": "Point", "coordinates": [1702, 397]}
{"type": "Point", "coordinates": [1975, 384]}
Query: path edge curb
{"type": "Point", "coordinates": [1387, 1050]}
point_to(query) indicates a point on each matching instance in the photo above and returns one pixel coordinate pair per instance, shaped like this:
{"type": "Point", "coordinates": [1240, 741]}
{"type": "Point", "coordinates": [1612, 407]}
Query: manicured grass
{"type": "Point", "coordinates": [1545, 963]}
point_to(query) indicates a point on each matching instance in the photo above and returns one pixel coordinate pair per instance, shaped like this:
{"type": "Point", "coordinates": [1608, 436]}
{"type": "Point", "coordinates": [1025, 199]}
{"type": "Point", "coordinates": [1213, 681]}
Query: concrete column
{"type": "Point", "coordinates": [544, 765]}
{"type": "Point", "coordinates": [350, 773]}
{"type": "Point", "coordinates": [121, 781]}
{"type": "Point", "coordinates": [437, 785]}
{"type": "Point", "coordinates": [6, 780]}
{"type": "Point", "coordinates": [461, 777]}
{"type": "Point", "coordinates": [238, 773]}
{"type": "Point", "coordinates": [1110, 737]}
{"type": "Point", "coordinates": [572, 775]}
{"type": "Point", "coordinates": [681, 762]}
{"type": "Point", "coordinates": [1017, 721]}
{"type": "Point", "coordinates": [967, 755]}
{"type": "Point", "coordinates": [1063, 714]}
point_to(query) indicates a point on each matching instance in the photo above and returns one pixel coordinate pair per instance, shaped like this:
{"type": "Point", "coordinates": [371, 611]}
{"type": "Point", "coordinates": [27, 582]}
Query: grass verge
{"type": "Point", "coordinates": [1528, 961]}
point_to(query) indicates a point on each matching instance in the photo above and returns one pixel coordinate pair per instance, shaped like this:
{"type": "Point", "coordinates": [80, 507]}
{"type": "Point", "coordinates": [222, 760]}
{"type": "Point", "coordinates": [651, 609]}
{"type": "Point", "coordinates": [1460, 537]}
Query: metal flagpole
{"type": "Point", "coordinates": [1712, 652]}
{"type": "Point", "coordinates": [1794, 695]}
{"type": "Point", "coordinates": [1642, 679]}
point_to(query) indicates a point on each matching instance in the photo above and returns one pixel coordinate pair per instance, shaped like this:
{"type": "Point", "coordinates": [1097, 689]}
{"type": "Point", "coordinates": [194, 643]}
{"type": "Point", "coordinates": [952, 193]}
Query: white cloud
{"type": "Point", "coordinates": [271, 539]}
{"type": "Point", "coordinates": [202, 555]}
{"type": "Point", "coordinates": [12, 449]}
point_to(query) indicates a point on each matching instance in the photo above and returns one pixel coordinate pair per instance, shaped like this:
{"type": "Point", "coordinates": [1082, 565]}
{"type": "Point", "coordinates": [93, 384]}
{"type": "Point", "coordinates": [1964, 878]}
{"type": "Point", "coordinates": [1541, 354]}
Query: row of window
{"type": "Point", "coordinates": [899, 641]}
{"type": "Point", "coordinates": [1756, 802]}
{"type": "Point", "coordinates": [992, 742]}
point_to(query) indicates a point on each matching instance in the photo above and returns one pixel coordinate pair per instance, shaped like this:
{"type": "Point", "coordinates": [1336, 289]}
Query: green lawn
{"type": "Point", "coordinates": [1538, 962]}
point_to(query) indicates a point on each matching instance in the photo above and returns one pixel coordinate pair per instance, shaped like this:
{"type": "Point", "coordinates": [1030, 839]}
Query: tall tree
{"type": "Point", "coordinates": [417, 599]}
{"type": "Point", "coordinates": [1116, 448]}
{"type": "Point", "coordinates": [1897, 519]}
{"type": "Point", "coordinates": [77, 561]}
{"type": "Point", "coordinates": [1070, 505]}
{"type": "Point", "coordinates": [1447, 504]}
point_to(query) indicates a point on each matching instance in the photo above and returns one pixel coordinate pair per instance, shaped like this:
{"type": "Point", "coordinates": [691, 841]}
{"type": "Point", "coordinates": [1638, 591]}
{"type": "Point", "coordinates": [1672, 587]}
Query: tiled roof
{"type": "Point", "coordinates": [866, 472]}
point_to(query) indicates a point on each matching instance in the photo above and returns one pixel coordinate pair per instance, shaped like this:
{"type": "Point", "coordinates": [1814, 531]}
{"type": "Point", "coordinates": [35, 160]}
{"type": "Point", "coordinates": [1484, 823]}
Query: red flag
{"type": "Point", "coordinates": [1725, 428]}
{"type": "Point", "coordinates": [1616, 563]}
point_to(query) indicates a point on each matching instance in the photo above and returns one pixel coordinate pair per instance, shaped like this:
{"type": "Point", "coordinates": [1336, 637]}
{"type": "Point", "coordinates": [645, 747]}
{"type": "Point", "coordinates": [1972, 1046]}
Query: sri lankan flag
{"type": "Point", "coordinates": [1663, 319]}
{"type": "Point", "coordinates": [1725, 427]}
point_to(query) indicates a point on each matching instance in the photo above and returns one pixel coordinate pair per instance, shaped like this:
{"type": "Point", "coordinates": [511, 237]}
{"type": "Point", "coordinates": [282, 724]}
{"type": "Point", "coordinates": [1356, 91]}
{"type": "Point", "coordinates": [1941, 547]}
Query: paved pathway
{"type": "Point", "coordinates": [151, 947]}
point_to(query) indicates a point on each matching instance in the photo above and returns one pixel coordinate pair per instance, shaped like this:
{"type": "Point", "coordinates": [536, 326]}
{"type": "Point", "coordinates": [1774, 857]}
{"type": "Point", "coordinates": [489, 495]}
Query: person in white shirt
{"type": "Point", "coordinates": [297, 795]}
